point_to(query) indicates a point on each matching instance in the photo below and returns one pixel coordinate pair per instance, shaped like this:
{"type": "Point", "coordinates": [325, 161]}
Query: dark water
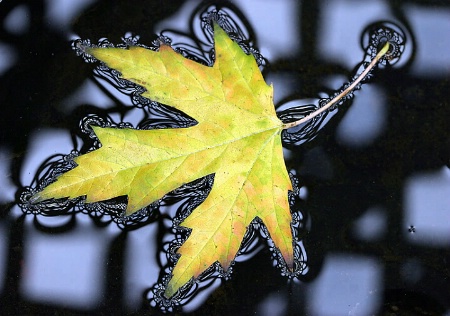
{"type": "Point", "coordinates": [375, 180]}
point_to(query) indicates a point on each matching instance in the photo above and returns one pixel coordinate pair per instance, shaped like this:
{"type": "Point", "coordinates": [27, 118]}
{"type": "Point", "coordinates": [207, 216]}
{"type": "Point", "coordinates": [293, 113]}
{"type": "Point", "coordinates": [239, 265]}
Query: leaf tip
{"type": "Point", "coordinates": [170, 290]}
{"type": "Point", "coordinates": [36, 198]}
{"type": "Point", "coordinates": [90, 50]}
{"type": "Point", "coordinates": [217, 28]}
{"type": "Point", "coordinates": [98, 131]}
{"type": "Point", "coordinates": [164, 47]}
{"type": "Point", "coordinates": [290, 265]}
{"type": "Point", "coordinates": [95, 128]}
{"type": "Point", "coordinates": [41, 197]}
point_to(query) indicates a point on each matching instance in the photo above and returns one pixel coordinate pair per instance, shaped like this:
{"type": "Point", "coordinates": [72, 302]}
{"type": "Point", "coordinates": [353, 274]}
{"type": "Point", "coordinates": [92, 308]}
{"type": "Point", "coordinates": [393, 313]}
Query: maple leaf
{"type": "Point", "coordinates": [237, 138]}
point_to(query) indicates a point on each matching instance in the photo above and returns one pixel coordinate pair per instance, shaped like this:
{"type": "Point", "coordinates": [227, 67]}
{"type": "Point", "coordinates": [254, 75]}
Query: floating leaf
{"type": "Point", "coordinates": [237, 139]}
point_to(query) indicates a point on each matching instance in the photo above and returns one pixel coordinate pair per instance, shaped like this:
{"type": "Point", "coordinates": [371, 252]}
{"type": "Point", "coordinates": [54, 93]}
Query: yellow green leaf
{"type": "Point", "coordinates": [237, 138]}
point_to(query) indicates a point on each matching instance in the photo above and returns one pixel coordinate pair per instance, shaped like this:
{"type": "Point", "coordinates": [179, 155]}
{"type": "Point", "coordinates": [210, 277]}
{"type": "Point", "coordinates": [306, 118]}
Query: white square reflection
{"type": "Point", "coordinates": [347, 285]}
{"type": "Point", "coordinates": [427, 208]}
{"type": "Point", "coordinates": [66, 269]}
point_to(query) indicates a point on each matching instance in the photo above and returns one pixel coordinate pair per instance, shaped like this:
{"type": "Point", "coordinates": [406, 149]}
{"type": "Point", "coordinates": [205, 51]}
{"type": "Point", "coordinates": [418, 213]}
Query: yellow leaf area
{"type": "Point", "coordinates": [237, 138]}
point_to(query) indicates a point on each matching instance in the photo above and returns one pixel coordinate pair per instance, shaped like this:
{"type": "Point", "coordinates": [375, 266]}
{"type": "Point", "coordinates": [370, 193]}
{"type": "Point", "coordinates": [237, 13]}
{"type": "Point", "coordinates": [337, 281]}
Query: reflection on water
{"type": "Point", "coordinates": [273, 304]}
{"type": "Point", "coordinates": [43, 144]}
{"type": "Point", "coordinates": [427, 201]}
{"type": "Point", "coordinates": [66, 267]}
{"type": "Point", "coordinates": [371, 225]}
{"type": "Point", "coordinates": [141, 266]}
{"type": "Point", "coordinates": [336, 41]}
{"type": "Point", "coordinates": [347, 286]}
{"type": "Point", "coordinates": [430, 25]}
{"type": "Point", "coordinates": [17, 22]}
{"type": "Point", "coordinates": [365, 120]}
{"type": "Point", "coordinates": [7, 189]}
{"type": "Point", "coordinates": [371, 173]}
{"type": "Point", "coordinates": [3, 253]}
{"type": "Point", "coordinates": [8, 58]}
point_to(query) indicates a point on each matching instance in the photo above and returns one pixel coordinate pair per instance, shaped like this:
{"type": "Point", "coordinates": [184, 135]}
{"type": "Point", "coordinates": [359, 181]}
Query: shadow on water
{"type": "Point", "coordinates": [367, 247]}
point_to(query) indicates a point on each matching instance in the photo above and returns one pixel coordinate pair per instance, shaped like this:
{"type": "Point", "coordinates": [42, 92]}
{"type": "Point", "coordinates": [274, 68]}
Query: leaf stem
{"type": "Point", "coordinates": [349, 89]}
